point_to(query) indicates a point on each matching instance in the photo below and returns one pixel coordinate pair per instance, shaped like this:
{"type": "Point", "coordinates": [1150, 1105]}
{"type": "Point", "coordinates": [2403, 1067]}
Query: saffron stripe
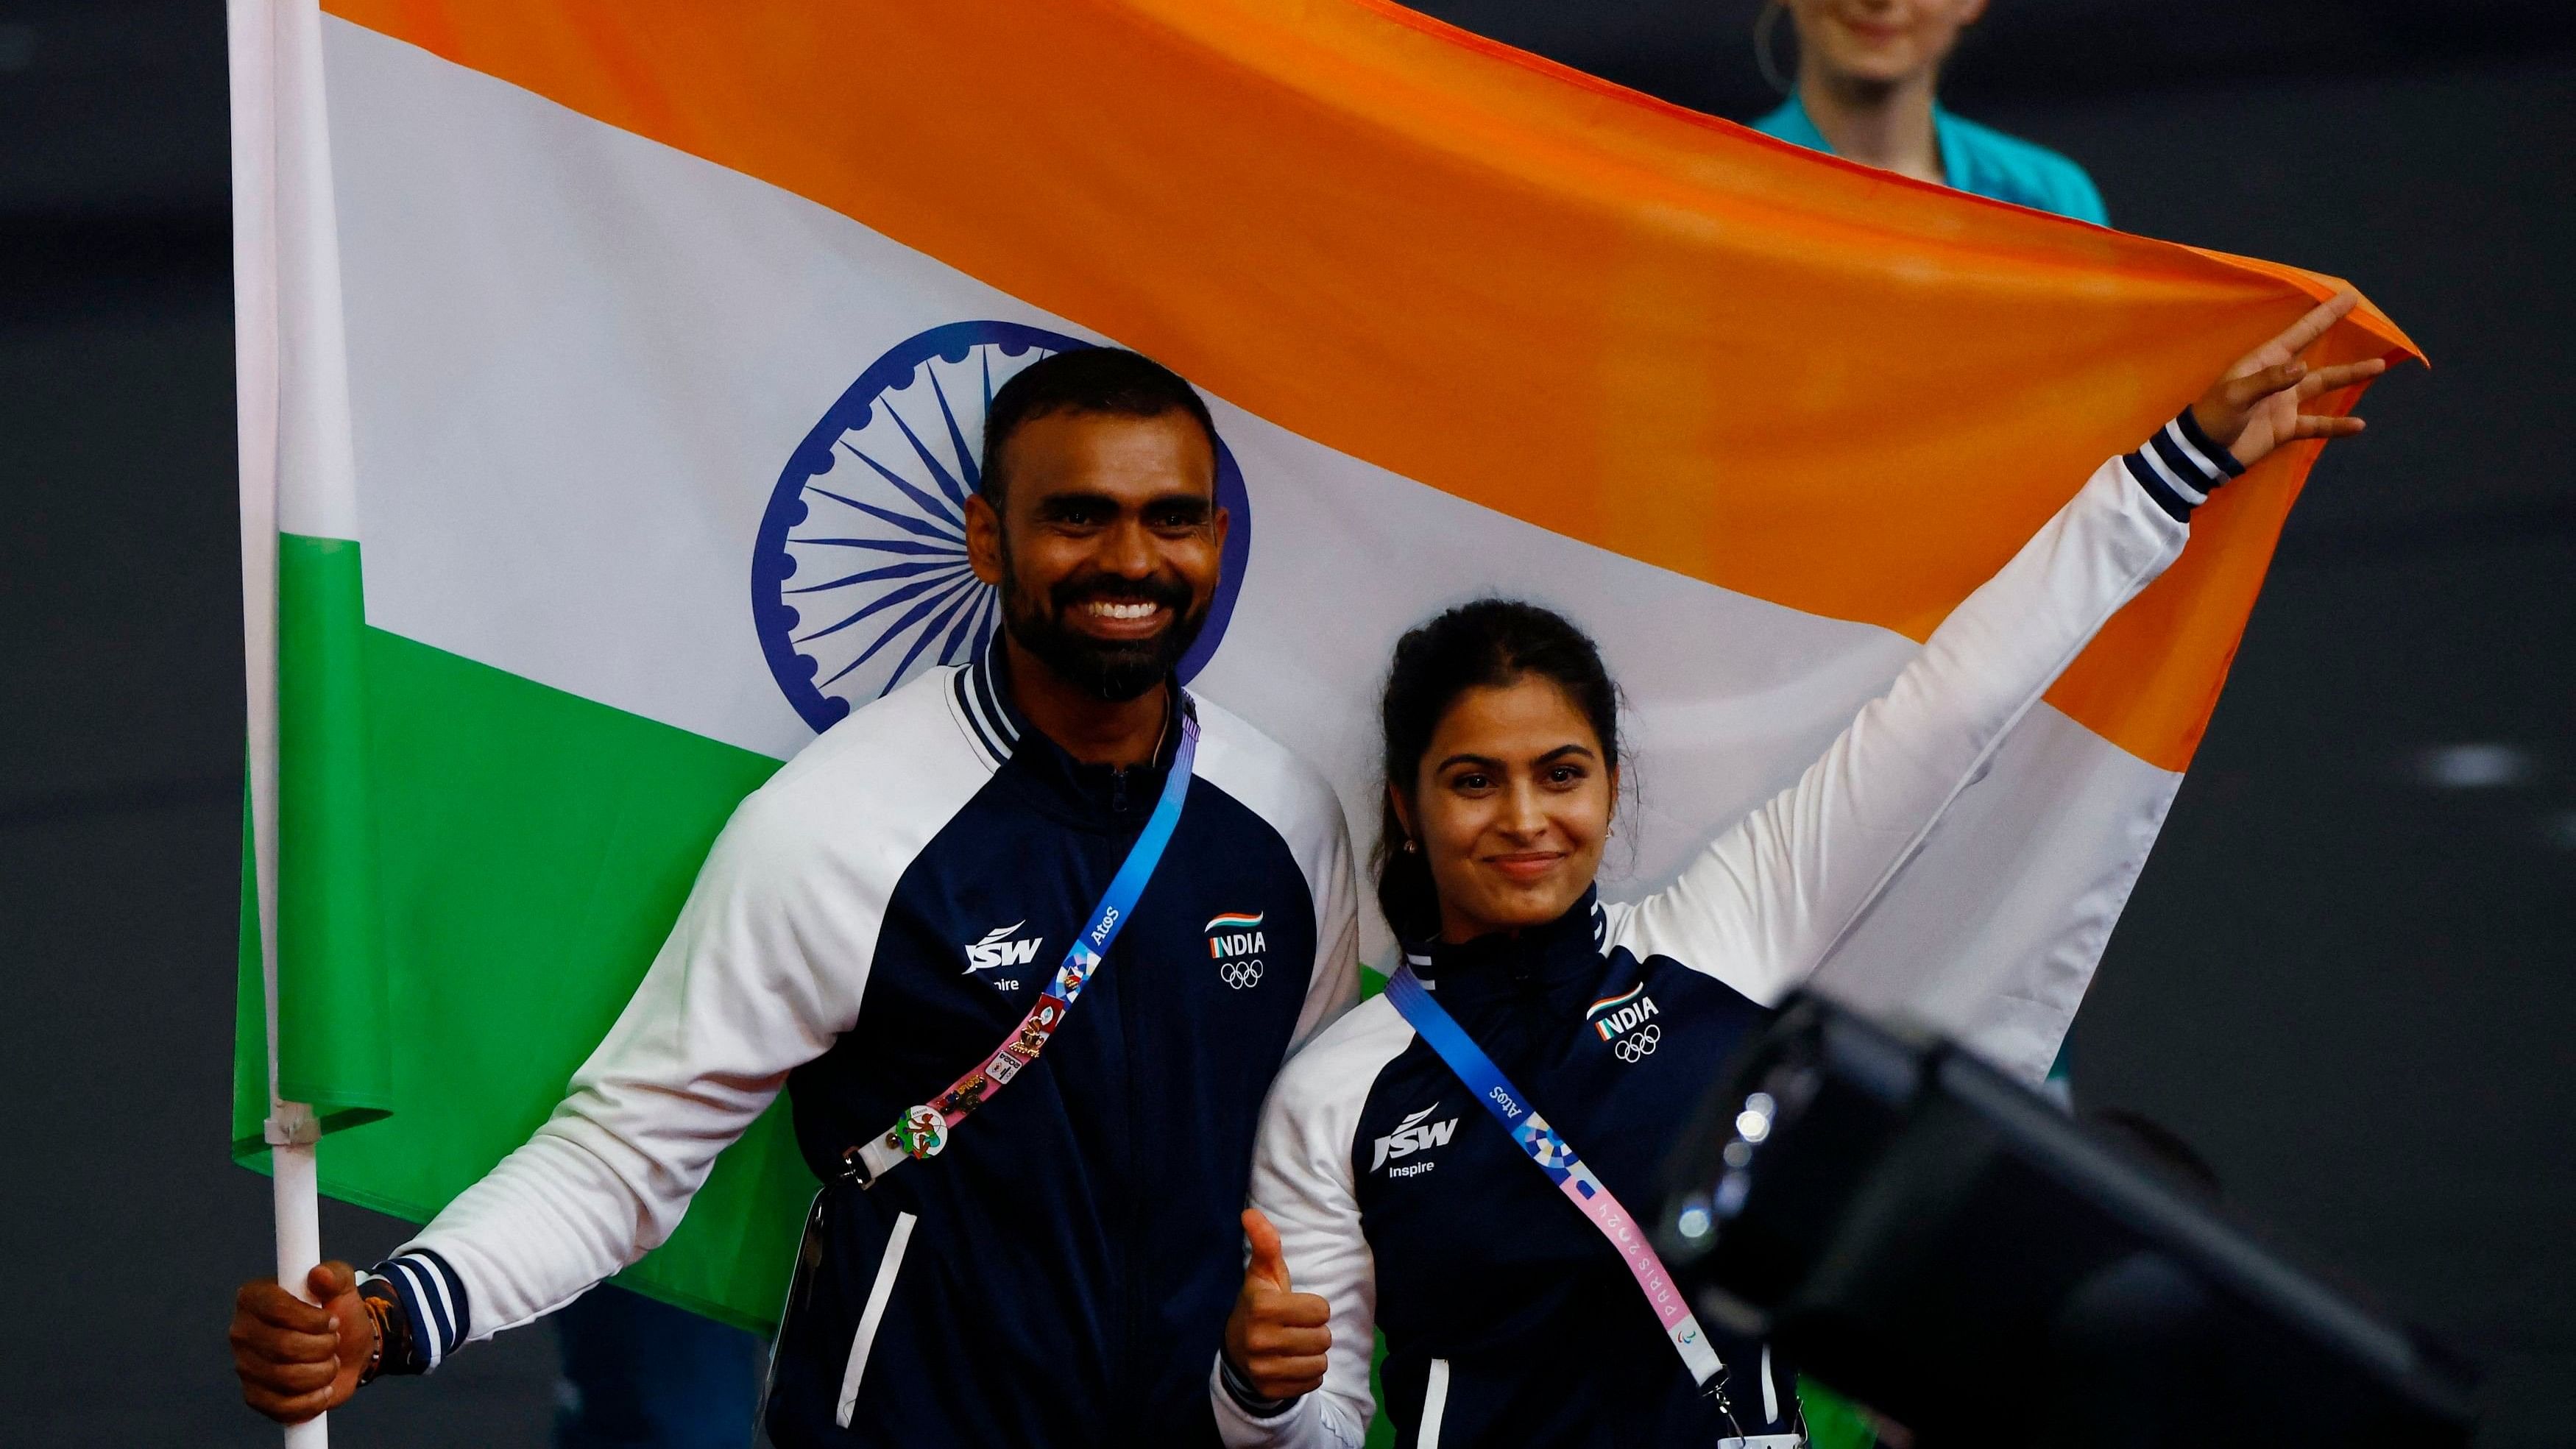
{"type": "Point", "coordinates": [1610, 1001]}
{"type": "Point", "coordinates": [1334, 114]}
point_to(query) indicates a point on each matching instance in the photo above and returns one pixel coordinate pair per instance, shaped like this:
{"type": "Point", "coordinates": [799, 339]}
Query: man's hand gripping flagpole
{"type": "Point", "coordinates": [270, 44]}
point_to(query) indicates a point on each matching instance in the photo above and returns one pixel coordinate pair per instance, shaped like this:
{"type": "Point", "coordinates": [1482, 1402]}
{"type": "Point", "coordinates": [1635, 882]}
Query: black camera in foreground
{"type": "Point", "coordinates": [1933, 1239]}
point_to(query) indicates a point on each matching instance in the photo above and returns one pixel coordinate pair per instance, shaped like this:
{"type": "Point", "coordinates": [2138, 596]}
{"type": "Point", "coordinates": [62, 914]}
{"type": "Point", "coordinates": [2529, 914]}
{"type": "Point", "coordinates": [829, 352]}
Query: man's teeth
{"type": "Point", "coordinates": [1108, 609]}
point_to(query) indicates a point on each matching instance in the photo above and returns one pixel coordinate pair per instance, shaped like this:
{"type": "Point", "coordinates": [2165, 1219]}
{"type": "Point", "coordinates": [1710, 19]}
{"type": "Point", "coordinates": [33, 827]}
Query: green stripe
{"type": "Point", "coordinates": [1833, 1422]}
{"type": "Point", "coordinates": [484, 867]}
{"type": "Point", "coordinates": [330, 986]}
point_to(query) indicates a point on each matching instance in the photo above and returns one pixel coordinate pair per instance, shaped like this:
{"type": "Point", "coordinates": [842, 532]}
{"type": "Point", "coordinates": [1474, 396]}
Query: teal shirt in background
{"type": "Point", "coordinates": [1984, 162]}
{"type": "Point", "coordinates": [1976, 159]}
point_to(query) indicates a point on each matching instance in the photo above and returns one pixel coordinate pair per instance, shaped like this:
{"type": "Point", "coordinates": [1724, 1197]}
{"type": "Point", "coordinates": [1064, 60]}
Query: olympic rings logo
{"type": "Point", "coordinates": [1241, 975]}
{"type": "Point", "coordinates": [1640, 1043]}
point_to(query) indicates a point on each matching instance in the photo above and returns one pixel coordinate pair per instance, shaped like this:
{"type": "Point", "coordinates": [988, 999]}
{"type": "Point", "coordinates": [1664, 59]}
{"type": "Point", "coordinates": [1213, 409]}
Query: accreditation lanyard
{"type": "Point", "coordinates": [1555, 1157]}
{"type": "Point", "coordinates": [922, 1131]}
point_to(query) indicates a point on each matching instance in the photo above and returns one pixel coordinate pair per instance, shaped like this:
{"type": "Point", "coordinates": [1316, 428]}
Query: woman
{"type": "Point", "coordinates": [1867, 73]}
{"type": "Point", "coordinates": [1384, 1195]}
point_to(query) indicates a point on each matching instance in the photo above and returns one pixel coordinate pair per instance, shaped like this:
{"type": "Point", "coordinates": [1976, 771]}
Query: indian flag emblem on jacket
{"type": "Point", "coordinates": [1236, 933]}
{"type": "Point", "coordinates": [1612, 1015]}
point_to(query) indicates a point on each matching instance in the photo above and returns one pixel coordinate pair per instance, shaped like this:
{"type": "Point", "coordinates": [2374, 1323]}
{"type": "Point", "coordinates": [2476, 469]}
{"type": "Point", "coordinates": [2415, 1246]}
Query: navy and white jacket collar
{"type": "Point", "coordinates": [1005, 736]}
{"type": "Point", "coordinates": [984, 699]}
{"type": "Point", "coordinates": [1564, 954]}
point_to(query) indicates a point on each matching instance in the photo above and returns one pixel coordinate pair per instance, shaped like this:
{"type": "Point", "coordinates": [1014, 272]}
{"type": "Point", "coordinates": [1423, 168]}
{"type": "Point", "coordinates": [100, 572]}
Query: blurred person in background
{"type": "Point", "coordinates": [1868, 76]}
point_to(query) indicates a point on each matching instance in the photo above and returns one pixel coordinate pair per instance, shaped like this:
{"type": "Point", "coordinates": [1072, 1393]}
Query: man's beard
{"type": "Point", "coordinates": [1111, 670]}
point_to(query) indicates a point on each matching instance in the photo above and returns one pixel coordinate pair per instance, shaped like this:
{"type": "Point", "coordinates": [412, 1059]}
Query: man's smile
{"type": "Point", "coordinates": [1121, 618]}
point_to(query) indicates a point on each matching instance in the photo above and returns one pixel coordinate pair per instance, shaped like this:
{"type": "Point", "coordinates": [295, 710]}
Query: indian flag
{"type": "Point", "coordinates": [611, 375]}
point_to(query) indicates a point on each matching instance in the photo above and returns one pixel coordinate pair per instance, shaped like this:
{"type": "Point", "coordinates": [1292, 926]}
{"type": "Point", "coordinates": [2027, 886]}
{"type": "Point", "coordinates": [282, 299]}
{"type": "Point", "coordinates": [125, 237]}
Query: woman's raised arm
{"type": "Point", "coordinates": [1770, 897]}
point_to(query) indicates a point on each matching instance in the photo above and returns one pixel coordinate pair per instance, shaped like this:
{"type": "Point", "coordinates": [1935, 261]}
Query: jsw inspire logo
{"type": "Point", "coordinates": [1410, 1136]}
{"type": "Point", "coordinates": [998, 949]}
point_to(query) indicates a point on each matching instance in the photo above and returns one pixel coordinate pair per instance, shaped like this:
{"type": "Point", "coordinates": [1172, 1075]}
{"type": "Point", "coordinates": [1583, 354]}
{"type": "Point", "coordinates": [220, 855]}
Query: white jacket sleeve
{"type": "Point", "coordinates": [738, 996]}
{"type": "Point", "coordinates": [1767, 901]}
{"type": "Point", "coordinates": [1335, 984]}
{"type": "Point", "coordinates": [1294, 799]}
{"type": "Point", "coordinates": [1301, 1181]}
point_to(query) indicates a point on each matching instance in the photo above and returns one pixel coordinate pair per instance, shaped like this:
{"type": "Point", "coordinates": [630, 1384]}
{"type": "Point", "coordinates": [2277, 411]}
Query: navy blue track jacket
{"type": "Point", "coordinates": [871, 924]}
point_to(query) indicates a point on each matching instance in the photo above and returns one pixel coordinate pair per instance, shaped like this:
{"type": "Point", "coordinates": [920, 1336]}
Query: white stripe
{"type": "Point", "coordinates": [972, 699]}
{"type": "Point", "coordinates": [961, 692]}
{"type": "Point", "coordinates": [874, 1314]}
{"type": "Point", "coordinates": [991, 713]}
{"type": "Point", "coordinates": [988, 734]}
{"type": "Point", "coordinates": [2020, 885]}
{"type": "Point", "coordinates": [1770, 1390]}
{"type": "Point", "coordinates": [2173, 480]}
{"type": "Point", "coordinates": [2173, 430]}
{"type": "Point", "coordinates": [419, 1295]}
{"type": "Point", "coordinates": [414, 1308]}
{"type": "Point", "coordinates": [1002, 726]}
{"type": "Point", "coordinates": [592, 529]}
{"type": "Point", "coordinates": [1435, 1403]}
{"type": "Point", "coordinates": [438, 1282]}
{"type": "Point", "coordinates": [315, 459]}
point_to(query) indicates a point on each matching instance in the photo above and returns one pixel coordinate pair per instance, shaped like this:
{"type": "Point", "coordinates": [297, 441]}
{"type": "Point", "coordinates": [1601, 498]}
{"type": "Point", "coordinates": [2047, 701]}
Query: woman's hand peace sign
{"type": "Point", "coordinates": [2255, 407]}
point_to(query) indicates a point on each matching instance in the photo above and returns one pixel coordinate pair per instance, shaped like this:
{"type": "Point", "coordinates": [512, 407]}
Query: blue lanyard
{"type": "Point", "coordinates": [1556, 1157]}
{"type": "Point", "coordinates": [922, 1131]}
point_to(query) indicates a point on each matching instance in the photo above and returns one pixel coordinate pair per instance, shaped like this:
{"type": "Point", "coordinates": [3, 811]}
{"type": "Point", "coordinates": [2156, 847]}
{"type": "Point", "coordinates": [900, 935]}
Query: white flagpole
{"type": "Point", "coordinates": [292, 1133]}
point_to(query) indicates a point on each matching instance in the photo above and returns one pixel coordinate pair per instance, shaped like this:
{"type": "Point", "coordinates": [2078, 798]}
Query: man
{"type": "Point", "coordinates": [1868, 73]}
{"type": "Point", "coordinates": [877, 927]}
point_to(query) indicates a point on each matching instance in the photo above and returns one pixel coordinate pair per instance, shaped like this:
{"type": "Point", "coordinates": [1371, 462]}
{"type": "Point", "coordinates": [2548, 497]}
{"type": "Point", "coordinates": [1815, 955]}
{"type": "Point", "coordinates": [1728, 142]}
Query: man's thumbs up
{"type": "Point", "coordinates": [1277, 1340]}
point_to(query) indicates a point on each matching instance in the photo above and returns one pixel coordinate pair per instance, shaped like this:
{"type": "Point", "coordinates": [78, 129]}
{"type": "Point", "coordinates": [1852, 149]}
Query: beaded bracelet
{"type": "Point", "coordinates": [381, 1306]}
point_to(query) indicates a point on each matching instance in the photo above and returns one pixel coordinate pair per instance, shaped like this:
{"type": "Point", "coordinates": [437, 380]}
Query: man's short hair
{"type": "Point", "coordinates": [1091, 380]}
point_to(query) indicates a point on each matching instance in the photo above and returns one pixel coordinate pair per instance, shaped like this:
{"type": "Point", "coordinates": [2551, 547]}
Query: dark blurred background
{"type": "Point", "coordinates": [2347, 974]}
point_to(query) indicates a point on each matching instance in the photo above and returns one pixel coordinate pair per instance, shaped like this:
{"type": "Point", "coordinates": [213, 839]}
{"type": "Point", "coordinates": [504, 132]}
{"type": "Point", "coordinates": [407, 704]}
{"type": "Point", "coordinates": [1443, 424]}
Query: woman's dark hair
{"type": "Point", "coordinates": [1484, 645]}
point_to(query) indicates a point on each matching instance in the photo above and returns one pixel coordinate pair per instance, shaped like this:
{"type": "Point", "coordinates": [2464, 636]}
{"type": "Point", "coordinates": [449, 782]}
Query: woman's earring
{"type": "Point", "coordinates": [1410, 848]}
{"type": "Point", "coordinates": [1764, 27]}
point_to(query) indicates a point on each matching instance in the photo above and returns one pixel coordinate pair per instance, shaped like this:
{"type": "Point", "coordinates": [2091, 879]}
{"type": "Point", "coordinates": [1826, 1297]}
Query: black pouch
{"type": "Point", "coordinates": [800, 1287]}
